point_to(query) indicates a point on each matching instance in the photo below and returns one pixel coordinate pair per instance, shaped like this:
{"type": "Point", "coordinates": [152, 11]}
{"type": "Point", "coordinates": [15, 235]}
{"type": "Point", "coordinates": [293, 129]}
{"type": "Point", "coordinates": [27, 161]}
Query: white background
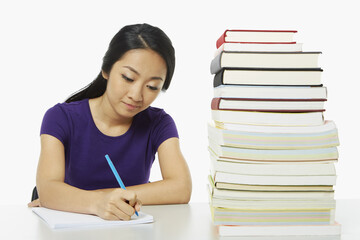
{"type": "Point", "coordinates": [50, 49]}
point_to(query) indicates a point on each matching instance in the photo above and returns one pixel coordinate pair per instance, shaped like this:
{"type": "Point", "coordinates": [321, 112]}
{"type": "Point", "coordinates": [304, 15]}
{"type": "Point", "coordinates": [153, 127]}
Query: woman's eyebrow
{"type": "Point", "coordinates": [132, 69]}
{"type": "Point", "coordinates": [137, 73]}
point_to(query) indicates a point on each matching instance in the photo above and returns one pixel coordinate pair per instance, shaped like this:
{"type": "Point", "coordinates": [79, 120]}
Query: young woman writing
{"type": "Point", "coordinates": [113, 116]}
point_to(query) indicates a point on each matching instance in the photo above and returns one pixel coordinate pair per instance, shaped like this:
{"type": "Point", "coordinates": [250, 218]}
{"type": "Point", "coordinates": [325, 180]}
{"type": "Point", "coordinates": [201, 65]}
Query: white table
{"type": "Point", "coordinates": [186, 221]}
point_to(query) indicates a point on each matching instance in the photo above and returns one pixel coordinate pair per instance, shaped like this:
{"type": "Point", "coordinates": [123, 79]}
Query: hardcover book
{"type": "Point", "coordinates": [310, 232]}
{"type": "Point", "coordinates": [273, 92]}
{"type": "Point", "coordinates": [264, 60]}
{"type": "Point", "coordinates": [273, 76]}
{"type": "Point", "coordinates": [268, 105]}
{"type": "Point", "coordinates": [268, 118]}
{"type": "Point", "coordinates": [238, 35]}
{"type": "Point", "coordinates": [259, 47]}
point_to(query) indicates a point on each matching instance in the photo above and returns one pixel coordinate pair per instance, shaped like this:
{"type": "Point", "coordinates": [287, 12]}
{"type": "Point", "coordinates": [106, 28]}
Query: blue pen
{"type": "Point", "coordinates": [117, 176]}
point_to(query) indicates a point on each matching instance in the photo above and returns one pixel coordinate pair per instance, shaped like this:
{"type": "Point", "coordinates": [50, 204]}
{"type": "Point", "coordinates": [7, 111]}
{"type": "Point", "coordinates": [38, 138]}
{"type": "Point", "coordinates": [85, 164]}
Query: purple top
{"type": "Point", "coordinates": [85, 146]}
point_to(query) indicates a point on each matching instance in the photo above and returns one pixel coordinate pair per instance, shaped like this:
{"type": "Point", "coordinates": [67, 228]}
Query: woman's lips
{"type": "Point", "coordinates": [130, 106]}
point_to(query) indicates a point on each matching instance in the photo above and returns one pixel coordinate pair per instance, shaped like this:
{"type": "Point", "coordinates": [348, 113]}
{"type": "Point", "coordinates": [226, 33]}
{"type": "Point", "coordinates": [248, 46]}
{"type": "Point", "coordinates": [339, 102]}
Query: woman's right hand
{"type": "Point", "coordinates": [117, 204]}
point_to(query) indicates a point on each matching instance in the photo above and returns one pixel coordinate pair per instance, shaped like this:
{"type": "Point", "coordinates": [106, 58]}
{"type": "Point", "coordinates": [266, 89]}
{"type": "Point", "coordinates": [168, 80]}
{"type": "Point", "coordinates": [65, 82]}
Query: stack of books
{"type": "Point", "coordinates": [272, 153]}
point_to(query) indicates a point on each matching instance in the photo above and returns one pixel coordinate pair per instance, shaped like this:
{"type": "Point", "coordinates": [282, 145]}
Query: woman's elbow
{"type": "Point", "coordinates": [185, 192]}
{"type": "Point", "coordinates": [186, 198]}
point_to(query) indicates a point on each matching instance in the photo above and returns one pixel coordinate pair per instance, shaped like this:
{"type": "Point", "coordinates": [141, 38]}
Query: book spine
{"type": "Point", "coordinates": [215, 103]}
{"type": "Point", "coordinates": [277, 99]}
{"type": "Point", "coordinates": [267, 43]}
{"type": "Point", "coordinates": [216, 64]}
{"type": "Point", "coordinates": [219, 78]}
{"type": "Point", "coordinates": [257, 30]}
{"type": "Point", "coordinates": [221, 39]}
{"type": "Point", "coordinates": [318, 69]}
{"type": "Point", "coordinates": [272, 110]}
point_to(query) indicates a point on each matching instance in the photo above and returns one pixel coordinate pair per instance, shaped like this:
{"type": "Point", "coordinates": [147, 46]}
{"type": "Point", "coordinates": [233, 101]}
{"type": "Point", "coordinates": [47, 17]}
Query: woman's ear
{"type": "Point", "coordinates": [104, 74]}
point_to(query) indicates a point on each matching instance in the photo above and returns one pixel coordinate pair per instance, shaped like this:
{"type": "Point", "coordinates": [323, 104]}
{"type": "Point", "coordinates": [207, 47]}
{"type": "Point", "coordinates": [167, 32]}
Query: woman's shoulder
{"type": "Point", "coordinates": [155, 118]}
{"type": "Point", "coordinates": [68, 108]}
{"type": "Point", "coordinates": [153, 113]}
{"type": "Point", "coordinates": [65, 112]}
{"type": "Point", "coordinates": [60, 118]}
{"type": "Point", "coordinates": [161, 125]}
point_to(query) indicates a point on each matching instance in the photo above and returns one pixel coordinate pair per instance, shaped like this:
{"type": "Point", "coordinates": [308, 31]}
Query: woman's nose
{"type": "Point", "coordinates": [135, 92]}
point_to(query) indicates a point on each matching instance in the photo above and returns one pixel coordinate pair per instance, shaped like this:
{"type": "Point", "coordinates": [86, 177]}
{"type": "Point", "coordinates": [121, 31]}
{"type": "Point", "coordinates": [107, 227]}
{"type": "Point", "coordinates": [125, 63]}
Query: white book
{"type": "Point", "coordinates": [268, 118]}
{"type": "Point", "coordinates": [273, 76]}
{"type": "Point", "coordinates": [305, 237]}
{"type": "Point", "coordinates": [294, 230]}
{"type": "Point", "coordinates": [270, 105]}
{"type": "Point", "coordinates": [270, 92]}
{"type": "Point", "coordinates": [264, 60]}
{"type": "Point", "coordinates": [299, 169]}
{"type": "Point", "coordinates": [273, 180]}
{"type": "Point", "coordinates": [269, 195]}
{"type": "Point", "coordinates": [272, 204]}
{"type": "Point", "coordinates": [328, 126]}
{"type": "Point", "coordinates": [60, 219]}
{"type": "Point", "coordinates": [274, 155]}
{"type": "Point", "coordinates": [259, 47]}
{"type": "Point", "coordinates": [262, 140]}
{"type": "Point", "coordinates": [265, 161]}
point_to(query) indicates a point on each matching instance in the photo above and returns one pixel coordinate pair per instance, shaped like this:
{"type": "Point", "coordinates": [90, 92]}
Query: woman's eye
{"type": "Point", "coordinates": [152, 88]}
{"type": "Point", "coordinates": [126, 78]}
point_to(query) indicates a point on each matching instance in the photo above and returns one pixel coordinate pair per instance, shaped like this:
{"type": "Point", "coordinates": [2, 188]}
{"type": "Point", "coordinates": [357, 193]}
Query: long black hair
{"type": "Point", "coordinates": [137, 36]}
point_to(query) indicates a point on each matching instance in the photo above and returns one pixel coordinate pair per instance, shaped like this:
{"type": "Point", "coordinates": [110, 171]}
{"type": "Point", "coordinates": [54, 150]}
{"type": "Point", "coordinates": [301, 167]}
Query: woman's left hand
{"type": "Point", "coordinates": [35, 203]}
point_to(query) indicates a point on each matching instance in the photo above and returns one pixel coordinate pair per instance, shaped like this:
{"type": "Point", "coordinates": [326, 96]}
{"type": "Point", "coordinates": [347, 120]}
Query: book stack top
{"type": "Point", "coordinates": [272, 153]}
{"type": "Point", "coordinates": [261, 73]}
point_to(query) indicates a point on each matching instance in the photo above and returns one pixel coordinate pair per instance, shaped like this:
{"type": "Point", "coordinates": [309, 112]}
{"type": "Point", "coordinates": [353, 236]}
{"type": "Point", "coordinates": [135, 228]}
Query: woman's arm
{"type": "Point", "coordinates": [56, 194]}
{"type": "Point", "coordinates": [176, 184]}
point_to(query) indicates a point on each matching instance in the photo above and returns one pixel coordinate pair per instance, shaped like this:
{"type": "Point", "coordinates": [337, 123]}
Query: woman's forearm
{"type": "Point", "coordinates": [61, 196]}
{"type": "Point", "coordinates": [168, 191]}
{"type": "Point", "coordinates": [116, 204]}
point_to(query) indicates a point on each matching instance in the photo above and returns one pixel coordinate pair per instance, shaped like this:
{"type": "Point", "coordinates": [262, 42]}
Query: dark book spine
{"type": "Point", "coordinates": [216, 64]}
{"type": "Point", "coordinates": [219, 78]}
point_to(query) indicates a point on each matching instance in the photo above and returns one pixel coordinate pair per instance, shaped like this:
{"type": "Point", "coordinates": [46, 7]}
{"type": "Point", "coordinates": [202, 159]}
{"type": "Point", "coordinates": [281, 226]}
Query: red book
{"type": "Point", "coordinates": [268, 105]}
{"type": "Point", "coordinates": [257, 36]}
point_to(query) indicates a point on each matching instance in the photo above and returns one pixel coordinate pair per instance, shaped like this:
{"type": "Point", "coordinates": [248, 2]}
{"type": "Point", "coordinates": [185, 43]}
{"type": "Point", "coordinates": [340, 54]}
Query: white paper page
{"type": "Point", "coordinates": [59, 219]}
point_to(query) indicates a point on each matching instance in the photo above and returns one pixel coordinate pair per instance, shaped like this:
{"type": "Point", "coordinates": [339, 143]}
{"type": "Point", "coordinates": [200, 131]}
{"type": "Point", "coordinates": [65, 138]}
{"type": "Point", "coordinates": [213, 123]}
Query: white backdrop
{"type": "Point", "coordinates": [49, 49]}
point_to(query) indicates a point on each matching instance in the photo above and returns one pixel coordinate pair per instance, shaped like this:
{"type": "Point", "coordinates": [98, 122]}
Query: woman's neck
{"type": "Point", "coordinates": [106, 119]}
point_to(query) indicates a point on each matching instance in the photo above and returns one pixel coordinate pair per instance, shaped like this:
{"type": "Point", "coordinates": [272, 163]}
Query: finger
{"type": "Point", "coordinates": [126, 208]}
{"type": "Point", "coordinates": [35, 203]}
{"type": "Point", "coordinates": [110, 216]}
{"type": "Point", "coordinates": [138, 205]}
{"type": "Point", "coordinates": [120, 213]}
{"type": "Point", "coordinates": [130, 198]}
{"type": "Point", "coordinates": [126, 202]}
{"type": "Point", "coordinates": [114, 213]}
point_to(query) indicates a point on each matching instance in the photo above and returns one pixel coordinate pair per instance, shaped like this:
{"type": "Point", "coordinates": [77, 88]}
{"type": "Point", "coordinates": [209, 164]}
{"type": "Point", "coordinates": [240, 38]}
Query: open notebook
{"type": "Point", "coordinates": [59, 219]}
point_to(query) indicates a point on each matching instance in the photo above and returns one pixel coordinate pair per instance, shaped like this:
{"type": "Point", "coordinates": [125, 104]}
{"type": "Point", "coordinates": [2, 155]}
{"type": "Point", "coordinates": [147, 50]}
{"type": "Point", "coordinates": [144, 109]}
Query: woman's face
{"type": "Point", "coordinates": [135, 81]}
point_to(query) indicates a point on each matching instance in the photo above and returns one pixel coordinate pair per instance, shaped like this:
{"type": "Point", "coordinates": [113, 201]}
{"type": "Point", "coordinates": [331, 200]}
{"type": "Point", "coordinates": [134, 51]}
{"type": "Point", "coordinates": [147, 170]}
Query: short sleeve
{"type": "Point", "coordinates": [56, 124]}
{"type": "Point", "coordinates": [164, 129]}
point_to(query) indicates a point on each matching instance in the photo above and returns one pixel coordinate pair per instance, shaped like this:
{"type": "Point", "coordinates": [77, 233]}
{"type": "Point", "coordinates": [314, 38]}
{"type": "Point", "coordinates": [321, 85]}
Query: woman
{"type": "Point", "coordinates": [112, 115]}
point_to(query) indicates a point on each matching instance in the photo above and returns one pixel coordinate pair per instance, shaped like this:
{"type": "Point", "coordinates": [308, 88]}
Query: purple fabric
{"type": "Point", "coordinates": [85, 146]}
